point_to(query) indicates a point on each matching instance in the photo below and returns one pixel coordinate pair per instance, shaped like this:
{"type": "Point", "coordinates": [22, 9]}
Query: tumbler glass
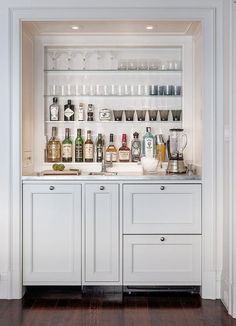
{"type": "Point", "coordinates": [176, 114]}
{"type": "Point", "coordinates": [118, 115]}
{"type": "Point", "coordinates": [129, 114]}
{"type": "Point", "coordinates": [164, 115]}
{"type": "Point", "coordinates": [141, 114]}
{"type": "Point", "coordinates": [152, 115]}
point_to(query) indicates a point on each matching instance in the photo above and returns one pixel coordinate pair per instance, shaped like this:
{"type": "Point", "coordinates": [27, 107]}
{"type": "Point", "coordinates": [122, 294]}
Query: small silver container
{"type": "Point", "coordinates": [105, 115]}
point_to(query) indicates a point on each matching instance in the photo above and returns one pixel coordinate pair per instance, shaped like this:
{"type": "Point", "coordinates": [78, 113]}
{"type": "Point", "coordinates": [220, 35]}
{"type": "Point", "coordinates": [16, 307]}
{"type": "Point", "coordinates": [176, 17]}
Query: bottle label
{"type": "Point", "coordinates": [111, 156]}
{"type": "Point", "coordinates": [67, 151]}
{"type": "Point", "coordinates": [88, 151]}
{"type": "Point", "coordinates": [54, 152]}
{"type": "Point", "coordinates": [54, 114]}
{"type": "Point", "coordinates": [124, 155]}
{"type": "Point", "coordinates": [99, 154]}
{"type": "Point", "coordinates": [78, 152]}
{"type": "Point", "coordinates": [80, 115]}
{"type": "Point", "coordinates": [68, 113]}
{"type": "Point", "coordinates": [149, 148]}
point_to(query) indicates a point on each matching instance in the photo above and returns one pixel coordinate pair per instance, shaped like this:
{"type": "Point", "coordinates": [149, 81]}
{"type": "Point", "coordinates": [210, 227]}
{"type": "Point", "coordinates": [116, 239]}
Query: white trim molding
{"type": "Point", "coordinates": [211, 20]}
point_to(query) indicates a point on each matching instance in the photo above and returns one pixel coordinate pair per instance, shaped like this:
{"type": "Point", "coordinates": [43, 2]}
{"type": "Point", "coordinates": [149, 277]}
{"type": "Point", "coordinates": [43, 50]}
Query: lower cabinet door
{"type": "Point", "coordinates": [162, 260]}
{"type": "Point", "coordinates": [51, 234]}
{"type": "Point", "coordinates": [102, 234]}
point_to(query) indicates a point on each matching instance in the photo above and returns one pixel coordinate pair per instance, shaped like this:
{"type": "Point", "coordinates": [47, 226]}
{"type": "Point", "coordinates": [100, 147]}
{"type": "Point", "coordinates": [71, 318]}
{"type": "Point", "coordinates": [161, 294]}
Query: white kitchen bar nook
{"type": "Point", "coordinates": [130, 229]}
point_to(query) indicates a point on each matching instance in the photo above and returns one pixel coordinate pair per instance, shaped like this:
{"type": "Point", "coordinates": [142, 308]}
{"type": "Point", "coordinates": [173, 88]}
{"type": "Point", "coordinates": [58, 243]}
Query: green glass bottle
{"type": "Point", "coordinates": [99, 148]}
{"type": "Point", "coordinates": [79, 147]}
{"type": "Point", "coordinates": [67, 147]}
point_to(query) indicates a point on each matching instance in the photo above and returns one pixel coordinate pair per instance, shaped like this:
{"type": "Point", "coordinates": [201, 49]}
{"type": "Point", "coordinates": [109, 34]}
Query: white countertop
{"type": "Point", "coordinates": [122, 176]}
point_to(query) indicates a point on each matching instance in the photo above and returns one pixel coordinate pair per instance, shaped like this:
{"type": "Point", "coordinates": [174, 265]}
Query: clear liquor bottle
{"type": "Point", "coordinates": [79, 147]}
{"type": "Point", "coordinates": [54, 110]}
{"type": "Point", "coordinates": [149, 144]}
{"type": "Point", "coordinates": [67, 147]}
{"type": "Point", "coordinates": [54, 147]}
{"type": "Point", "coordinates": [111, 151]}
{"type": "Point", "coordinates": [124, 151]}
{"type": "Point", "coordinates": [88, 148]}
{"type": "Point", "coordinates": [135, 148]}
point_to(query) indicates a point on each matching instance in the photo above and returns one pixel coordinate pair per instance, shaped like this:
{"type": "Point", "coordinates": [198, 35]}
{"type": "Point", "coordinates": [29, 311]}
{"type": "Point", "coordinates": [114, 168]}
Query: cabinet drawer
{"type": "Point", "coordinates": [162, 259]}
{"type": "Point", "coordinates": [167, 208]}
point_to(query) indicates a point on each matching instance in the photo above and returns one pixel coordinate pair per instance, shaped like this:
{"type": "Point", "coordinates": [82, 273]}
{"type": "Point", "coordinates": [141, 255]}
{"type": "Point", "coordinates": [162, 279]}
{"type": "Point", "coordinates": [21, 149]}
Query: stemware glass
{"type": "Point", "coordinates": [54, 55]}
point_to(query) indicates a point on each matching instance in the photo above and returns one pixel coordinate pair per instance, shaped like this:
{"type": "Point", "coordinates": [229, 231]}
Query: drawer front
{"type": "Point", "coordinates": [162, 260]}
{"type": "Point", "coordinates": [154, 209]}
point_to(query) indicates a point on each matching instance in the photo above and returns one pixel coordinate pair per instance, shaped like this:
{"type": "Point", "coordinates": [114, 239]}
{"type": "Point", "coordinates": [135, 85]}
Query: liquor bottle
{"type": "Point", "coordinates": [148, 144]}
{"type": "Point", "coordinates": [54, 147]}
{"type": "Point", "coordinates": [111, 151]}
{"type": "Point", "coordinates": [79, 147]}
{"type": "Point", "coordinates": [54, 110]}
{"type": "Point", "coordinates": [81, 112]}
{"type": "Point", "coordinates": [90, 112]}
{"type": "Point", "coordinates": [69, 112]}
{"type": "Point", "coordinates": [88, 148]}
{"type": "Point", "coordinates": [67, 147]}
{"type": "Point", "coordinates": [124, 151]}
{"type": "Point", "coordinates": [99, 147]}
{"type": "Point", "coordinates": [135, 148]}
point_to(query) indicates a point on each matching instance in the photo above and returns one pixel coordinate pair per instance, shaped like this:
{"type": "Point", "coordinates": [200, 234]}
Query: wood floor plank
{"type": "Point", "coordinates": [112, 309]}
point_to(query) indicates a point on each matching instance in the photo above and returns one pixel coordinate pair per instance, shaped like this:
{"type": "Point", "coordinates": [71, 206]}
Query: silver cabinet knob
{"type": "Point", "coordinates": [51, 187]}
{"type": "Point", "coordinates": [102, 187]}
{"type": "Point", "coordinates": [162, 239]}
{"type": "Point", "coordinates": [162, 187]}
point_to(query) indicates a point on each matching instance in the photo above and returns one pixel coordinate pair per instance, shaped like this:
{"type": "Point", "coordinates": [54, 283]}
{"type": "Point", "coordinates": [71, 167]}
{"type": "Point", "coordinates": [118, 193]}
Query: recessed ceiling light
{"type": "Point", "coordinates": [149, 27]}
{"type": "Point", "coordinates": [75, 27]}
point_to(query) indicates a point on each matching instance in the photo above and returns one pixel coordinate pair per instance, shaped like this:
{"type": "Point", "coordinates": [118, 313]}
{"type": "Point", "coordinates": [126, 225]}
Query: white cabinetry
{"type": "Point", "coordinates": [162, 259]}
{"type": "Point", "coordinates": [169, 208]}
{"type": "Point", "coordinates": [102, 234]}
{"type": "Point", "coordinates": [162, 234]}
{"type": "Point", "coordinates": [51, 234]}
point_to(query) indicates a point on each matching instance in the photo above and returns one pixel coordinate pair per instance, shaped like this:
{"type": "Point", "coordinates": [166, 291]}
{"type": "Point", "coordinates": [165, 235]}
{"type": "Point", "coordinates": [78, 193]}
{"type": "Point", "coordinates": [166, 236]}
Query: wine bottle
{"type": "Point", "coordinates": [79, 147]}
{"type": "Point", "coordinates": [67, 147]}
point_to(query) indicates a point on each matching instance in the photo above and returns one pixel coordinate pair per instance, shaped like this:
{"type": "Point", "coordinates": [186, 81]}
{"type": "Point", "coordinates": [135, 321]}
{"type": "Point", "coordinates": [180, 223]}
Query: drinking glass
{"type": "Point", "coordinates": [129, 114]}
{"type": "Point", "coordinates": [176, 114]}
{"type": "Point", "coordinates": [152, 115]}
{"type": "Point", "coordinates": [122, 65]}
{"type": "Point", "coordinates": [177, 90]}
{"type": "Point", "coordinates": [54, 55]}
{"type": "Point", "coordinates": [118, 115]}
{"type": "Point", "coordinates": [164, 115]}
{"type": "Point", "coordinates": [141, 114]}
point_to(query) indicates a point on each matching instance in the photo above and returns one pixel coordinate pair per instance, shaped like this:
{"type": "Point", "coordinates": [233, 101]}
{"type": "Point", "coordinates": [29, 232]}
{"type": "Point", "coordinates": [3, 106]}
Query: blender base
{"type": "Point", "coordinates": [176, 166]}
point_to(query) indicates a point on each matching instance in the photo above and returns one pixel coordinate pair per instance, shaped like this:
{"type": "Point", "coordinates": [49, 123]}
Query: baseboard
{"type": "Point", "coordinates": [225, 293]}
{"type": "Point", "coordinates": [4, 285]}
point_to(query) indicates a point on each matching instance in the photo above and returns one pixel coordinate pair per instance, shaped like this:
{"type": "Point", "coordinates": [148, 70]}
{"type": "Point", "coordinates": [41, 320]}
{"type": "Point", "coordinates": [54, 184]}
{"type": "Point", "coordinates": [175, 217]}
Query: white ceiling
{"type": "Point", "coordinates": [114, 27]}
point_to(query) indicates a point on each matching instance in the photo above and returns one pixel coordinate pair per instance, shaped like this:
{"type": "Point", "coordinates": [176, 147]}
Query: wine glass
{"type": "Point", "coordinates": [54, 55]}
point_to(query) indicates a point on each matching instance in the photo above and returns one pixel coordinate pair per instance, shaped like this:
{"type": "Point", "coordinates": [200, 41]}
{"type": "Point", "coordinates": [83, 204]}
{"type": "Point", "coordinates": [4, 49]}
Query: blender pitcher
{"type": "Point", "coordinates": [176, 144]}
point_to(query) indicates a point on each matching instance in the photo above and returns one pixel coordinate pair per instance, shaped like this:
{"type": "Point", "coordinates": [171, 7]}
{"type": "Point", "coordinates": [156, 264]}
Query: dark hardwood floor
{"type": "Point", "coordinates": [57, 307]}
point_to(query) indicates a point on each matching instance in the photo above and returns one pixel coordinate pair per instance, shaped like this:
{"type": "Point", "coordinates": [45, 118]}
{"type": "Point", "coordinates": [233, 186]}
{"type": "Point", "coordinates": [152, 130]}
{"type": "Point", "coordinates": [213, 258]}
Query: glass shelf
{"type": "Point", "coordinates": [112, 71]}
{"type": "Point", "coordinates": [116, 96]}
{"type": "Point", "coordinates": [113, 122]}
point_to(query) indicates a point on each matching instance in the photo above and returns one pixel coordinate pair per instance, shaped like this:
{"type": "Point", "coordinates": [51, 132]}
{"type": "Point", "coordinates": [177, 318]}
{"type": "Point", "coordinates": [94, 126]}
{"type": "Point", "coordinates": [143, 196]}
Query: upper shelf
{"type": "Point", "coordinates": [111, 71]}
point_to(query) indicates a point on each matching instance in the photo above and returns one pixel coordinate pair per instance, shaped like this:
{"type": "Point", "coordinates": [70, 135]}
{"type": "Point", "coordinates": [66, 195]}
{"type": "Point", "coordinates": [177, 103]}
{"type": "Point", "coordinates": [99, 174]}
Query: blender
{"type": "Point", "coordinates": [176, 144]}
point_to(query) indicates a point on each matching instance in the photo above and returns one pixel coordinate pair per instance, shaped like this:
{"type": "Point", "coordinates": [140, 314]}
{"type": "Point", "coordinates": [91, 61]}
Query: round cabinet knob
{"type": "Point", "coordinates": [102, 187]}
{"type": "Point", "coordinates": [162, 239]}
{"type": "Point", "coordinates": [51, 187]}
{"type": "Point", "coordinates": [162, 187]}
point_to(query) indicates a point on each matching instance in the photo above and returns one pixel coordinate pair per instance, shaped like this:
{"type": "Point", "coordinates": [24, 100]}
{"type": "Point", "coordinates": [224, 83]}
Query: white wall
{"type": "Point", "coordinates": [5, 135]}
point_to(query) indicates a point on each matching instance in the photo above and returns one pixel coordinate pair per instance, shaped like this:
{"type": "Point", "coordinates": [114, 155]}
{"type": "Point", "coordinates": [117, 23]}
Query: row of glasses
{"type": "Point", "coordinates": [114, 90]}
{"type": "Point", "coordinates": [80, 59]}
{"type": "Point", "coordinates": [145, 64]}
{"type": "Point", "coordinates": [164, 115]}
